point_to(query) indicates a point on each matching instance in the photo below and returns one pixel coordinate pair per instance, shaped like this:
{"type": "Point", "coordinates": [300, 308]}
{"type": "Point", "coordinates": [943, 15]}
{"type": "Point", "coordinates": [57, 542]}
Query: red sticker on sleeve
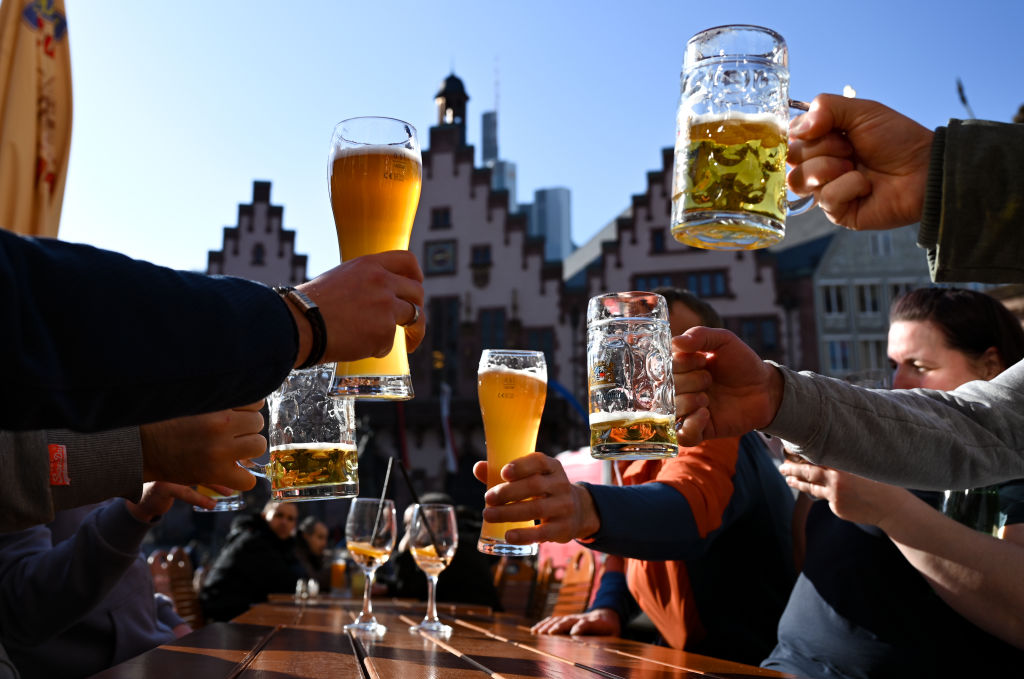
{"type": "Point", "coordinates": [59, 465]}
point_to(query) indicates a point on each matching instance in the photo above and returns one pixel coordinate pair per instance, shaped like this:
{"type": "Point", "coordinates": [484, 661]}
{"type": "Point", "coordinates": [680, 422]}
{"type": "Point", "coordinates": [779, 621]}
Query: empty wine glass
{"type": "Point", "coordinates": [369, 537]}
{"type": "Point", "coordinates": [433, 536]}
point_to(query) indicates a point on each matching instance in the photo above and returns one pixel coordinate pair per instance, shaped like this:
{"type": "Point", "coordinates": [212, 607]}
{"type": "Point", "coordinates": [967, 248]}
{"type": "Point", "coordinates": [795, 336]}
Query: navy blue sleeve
{"type": "Point", "coordinates": [91, 339]}
{"type": "Point", "coordinates": [613, 593]}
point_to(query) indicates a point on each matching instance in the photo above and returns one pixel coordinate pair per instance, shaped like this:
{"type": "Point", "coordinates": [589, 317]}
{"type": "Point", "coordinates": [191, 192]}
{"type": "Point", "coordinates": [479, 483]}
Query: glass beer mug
{"type": "Point", "coordinates": [629, 377]}
{"type": "Point", "coordinates": [732, 128]}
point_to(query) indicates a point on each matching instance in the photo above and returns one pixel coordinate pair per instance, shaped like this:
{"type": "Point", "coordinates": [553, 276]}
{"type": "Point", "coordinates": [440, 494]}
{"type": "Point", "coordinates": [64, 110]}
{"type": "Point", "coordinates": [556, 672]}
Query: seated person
{"type": "Point", "coordinates": [890, 587]}
{"type": "Point", "coordinates": [258, 559]}
{"type": "Point", "coordinates": [310, 547]}
{"type": "Point", "coordinates": [76, 595]}
{"type": "Point", "coordinates": [706, 535]}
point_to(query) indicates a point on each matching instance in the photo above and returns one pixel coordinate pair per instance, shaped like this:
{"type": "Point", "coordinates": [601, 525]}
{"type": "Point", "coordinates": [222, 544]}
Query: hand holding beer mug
{"type": "Point", "coordinates": [374, 177]}
{"type": "Point", "coordinates": [512, 386]}
{"type": "Point", "coordinates": [729, 181]}
{"type": "Point", "coordinates": [312, 440]}
{"type": "Point", "coordinates": [629, 375]}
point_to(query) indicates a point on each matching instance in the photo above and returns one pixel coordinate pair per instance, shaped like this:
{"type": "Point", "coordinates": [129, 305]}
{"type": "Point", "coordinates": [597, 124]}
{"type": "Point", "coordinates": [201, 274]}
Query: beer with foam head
{"type": "Point", "coordinates": [375, 189]}
{"type": "Point", "coordinates": [512, 387]}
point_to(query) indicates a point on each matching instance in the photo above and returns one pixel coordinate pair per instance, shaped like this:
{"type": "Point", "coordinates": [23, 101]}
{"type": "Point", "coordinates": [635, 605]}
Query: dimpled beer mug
{"type": "Point", "coordinates": [374, 174]}
{"type": "Point", "coordinates": [729, 181]}
{"type": "Point", "coordinates": [629, 376]}
{"type": "Point", "coordinates": [512, 386]}
{"type": "Point", "coordinates": [312, 440]}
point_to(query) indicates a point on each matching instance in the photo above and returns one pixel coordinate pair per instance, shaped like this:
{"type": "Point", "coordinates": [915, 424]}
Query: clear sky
{"type": "Point", "coordinates": [180, 105]}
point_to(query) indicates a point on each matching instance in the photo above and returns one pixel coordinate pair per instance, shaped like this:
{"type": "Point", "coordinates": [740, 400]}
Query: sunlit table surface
{"type": "Point", "coordinates": [283, 638]}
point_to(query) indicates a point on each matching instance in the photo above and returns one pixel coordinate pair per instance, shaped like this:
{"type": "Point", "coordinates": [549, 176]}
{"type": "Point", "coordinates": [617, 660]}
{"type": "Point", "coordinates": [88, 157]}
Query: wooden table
{"type": "Point", "coordinates": [282, 639]}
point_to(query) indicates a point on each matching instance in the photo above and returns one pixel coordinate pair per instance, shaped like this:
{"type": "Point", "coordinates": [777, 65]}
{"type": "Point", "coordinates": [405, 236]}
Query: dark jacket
{"type": "Point", "coordinates": [253, 563]}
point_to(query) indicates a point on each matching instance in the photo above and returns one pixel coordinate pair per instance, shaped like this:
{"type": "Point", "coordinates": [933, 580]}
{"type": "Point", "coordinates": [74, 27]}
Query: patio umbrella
{"type": "Point", "coordinates": [35, 114]}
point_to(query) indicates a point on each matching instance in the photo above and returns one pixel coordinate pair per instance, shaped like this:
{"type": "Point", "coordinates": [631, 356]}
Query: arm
{"type": "Point", "coordinates": [976, 574]}
{"type": "Point", "coordinates": [973, 434]}
{"type": "Point", "coordinates": [149, 343]}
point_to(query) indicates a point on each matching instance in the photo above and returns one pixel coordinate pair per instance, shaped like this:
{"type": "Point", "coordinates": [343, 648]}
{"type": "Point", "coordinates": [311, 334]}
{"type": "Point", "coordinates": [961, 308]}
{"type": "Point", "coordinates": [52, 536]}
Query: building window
{"type": "Point", "coordinates": [480, 256]}
{"type": "Point", "coordinates": [881, 244]}
{"type": "Point", "coordinates": [492, 328]}
{"type": "Point", "coordinates": [439, 257]}
{"type": "Point", "coordinates": [444, 339]}
{"type": "Point", "coordinates": [708, 283]}
{"type": "Point", "coordinates": [441, 218]}
{"type": "Point", "coordinates": [761, 333]}
{"type": "Point", "coordinates": [899, 289]}
{"type": "Point", "coordinates": [869, 298]}
{"type": "Point", "coordinates": [653, 280]}
{"type": "Point", "coordinates": [833, 299]}
{"type": "Point", "coordinates": [657, 241]}
{"type": "Point", "coordinates": [838, 356]}
{"type": "Point", "coordinates": [259, 255]}
{"type": "Point", "coordinates": [542, 339]}
{"type": "Point", "coordinates": [872, 354]}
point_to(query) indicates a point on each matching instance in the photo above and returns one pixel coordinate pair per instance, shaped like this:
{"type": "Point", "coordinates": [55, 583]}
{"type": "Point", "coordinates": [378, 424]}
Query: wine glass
{"type": "Point", "coordinates": [369, 537]}
{"type": "Point", "coordinates": [433, 536]}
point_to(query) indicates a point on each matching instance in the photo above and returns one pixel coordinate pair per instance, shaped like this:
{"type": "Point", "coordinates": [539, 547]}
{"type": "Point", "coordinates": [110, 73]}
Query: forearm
{"type": "Point", "coordinates": [976, 574]}
{"type": "Point", "coordinates": [973, 435]}
{"type": "Point", "coordinates": [139, 343]}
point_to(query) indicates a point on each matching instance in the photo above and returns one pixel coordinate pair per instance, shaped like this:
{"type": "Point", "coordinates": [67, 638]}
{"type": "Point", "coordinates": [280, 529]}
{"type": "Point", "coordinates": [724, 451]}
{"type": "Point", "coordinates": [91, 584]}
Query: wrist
{"type": "Point", "coordinates": [310, 326]}
{"type": "Point", "coordinates": [774, 389]}
{"type": "Point", "coordinates": [590, 521]}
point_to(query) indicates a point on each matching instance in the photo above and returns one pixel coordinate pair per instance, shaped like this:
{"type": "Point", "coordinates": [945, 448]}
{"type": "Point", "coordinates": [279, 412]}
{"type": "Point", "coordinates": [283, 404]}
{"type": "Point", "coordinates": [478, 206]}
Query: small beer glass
{"type": "Point", "coordinates": [729, 181]}
{"type": "Point", "coordinates": [433, 538]}
{"type": "Point", "coordinates": [225, 503]}
{"type": "Point", "coordinates": [369, 537]}
{"type": "Point", "coordinates": [512, 386]}
{"type": "Point", "coordinates": [312, 440]}
{"type": "Point", "coordinates": [374, 173]}
{"type": "Point", "coordinates": [629, 375]}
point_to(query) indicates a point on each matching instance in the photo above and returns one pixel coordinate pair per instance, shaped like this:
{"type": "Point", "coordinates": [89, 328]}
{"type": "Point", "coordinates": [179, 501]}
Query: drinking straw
{"type": "Point", "coordinates": [416, 499]}
{"type": "Point", "coordinates": [380, 505]}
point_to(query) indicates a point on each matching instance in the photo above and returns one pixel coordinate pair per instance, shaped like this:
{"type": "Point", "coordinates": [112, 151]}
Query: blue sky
{"type": "Point", "coordinates": [179, 106]}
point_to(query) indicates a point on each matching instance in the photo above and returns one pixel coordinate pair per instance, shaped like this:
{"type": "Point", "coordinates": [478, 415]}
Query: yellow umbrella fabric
{"type": "Point", "coordinates": [35, 114]}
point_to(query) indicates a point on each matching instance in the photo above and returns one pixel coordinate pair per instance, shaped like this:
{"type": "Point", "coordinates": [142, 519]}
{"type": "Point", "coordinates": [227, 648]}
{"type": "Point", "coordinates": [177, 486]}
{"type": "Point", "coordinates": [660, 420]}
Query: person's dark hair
{"type": "Point", "coordinates": [970, 321]}
{"type": "Point", "coordinates": [705, 312]}
{"type": "Point", "coordinates": [308, 524]}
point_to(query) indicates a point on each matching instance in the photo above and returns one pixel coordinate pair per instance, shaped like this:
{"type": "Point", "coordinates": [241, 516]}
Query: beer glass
{"type": "Point", "coordinates": [225, 503]}
{"type": "Point", "coordinates": [374, 176]}
{"type": "Point", "coordinates": [312, 440]}
{"type": "Point", "coordinates": [433, 538]}
{"type": "Point", "coordinates": [369, 538]}
{"type": "Point", "coordinates": [729, 181]}
{"type": "Point", "coordinates": [629, 376]}
{"type": "Point", "coordinates": [512, 386]}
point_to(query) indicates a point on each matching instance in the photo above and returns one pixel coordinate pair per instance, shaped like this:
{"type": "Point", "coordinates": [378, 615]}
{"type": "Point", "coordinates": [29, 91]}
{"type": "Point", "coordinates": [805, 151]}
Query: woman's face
{"type": "Point", "coordinates": [921, 358]}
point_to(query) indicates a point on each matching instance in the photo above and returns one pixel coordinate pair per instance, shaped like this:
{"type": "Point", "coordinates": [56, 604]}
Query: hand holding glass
{"type": "Point", "coordinates": [512, 386]}
{"type": "Point", "coordinates": [433, 538]}
{"type": "Point", "coordinates": [369, 538]}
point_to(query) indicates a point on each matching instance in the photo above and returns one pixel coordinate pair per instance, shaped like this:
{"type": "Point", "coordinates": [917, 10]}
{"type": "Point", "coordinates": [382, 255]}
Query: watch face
{"type": "Point", "coordinates": [439, 257]}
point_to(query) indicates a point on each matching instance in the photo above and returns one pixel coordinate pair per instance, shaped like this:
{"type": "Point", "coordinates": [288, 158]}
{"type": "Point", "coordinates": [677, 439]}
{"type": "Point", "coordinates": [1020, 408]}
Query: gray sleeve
{"type": "Point", "coordinates": [99, 466]}
{"type": "Point", "coordinates": [24, 480]}
{"type": "Point", "coordinates": [931, 440]}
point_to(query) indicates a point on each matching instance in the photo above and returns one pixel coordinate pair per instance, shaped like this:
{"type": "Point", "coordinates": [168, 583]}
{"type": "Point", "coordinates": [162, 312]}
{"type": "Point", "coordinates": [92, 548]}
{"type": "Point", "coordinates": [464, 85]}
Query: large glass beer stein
{"type": "Point", "coordinates": [629, 377]}
{"type": "Point", "coordinates": [729, 182]}
{"type": "Point", "coordinates": [374, 173]}
{"type": "Point", "coordinates": [512, 386]}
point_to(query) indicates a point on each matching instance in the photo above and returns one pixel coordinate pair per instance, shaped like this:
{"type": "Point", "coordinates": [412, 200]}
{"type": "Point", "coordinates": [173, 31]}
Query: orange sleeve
{"type": "Point", "coordinates": [703, 475]}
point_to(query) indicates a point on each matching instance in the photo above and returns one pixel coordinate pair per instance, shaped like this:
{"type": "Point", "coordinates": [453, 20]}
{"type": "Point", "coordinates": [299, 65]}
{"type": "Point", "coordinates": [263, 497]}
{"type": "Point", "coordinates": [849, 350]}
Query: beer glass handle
{"type": "Point", "coordinates": [254, 468]}
{"type": "Point", "coordinates": [800, 205]}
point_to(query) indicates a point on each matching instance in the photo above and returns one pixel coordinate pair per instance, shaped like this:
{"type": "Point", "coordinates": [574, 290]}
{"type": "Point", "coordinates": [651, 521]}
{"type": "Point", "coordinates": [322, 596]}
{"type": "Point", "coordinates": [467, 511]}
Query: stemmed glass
{"type": "Point", "coordinates": [369, 537]}
{"type": "Point", "coordinates": [433, 536]}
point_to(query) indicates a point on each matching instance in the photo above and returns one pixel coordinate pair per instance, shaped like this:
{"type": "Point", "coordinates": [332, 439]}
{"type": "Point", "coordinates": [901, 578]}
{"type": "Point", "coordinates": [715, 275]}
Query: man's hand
{"type": "Point", "coordinates": [722, 387]}
{"type": "Point", "coordinates": [204, 448]}
{"type": "Point", "coordinates": [158, 497]}
{"type": "Point", "coordinates": [362, 301]}
{"type": "Point", "coordinates": [598, 622]}
{"type": "Point", "coordinates": [536, 488]}
{"type": "Point", "coordinates": [866, 164]}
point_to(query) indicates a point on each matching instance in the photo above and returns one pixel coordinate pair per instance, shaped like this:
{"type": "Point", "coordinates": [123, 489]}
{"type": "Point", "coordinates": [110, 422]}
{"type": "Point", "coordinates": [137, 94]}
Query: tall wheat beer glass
{"type": "Point", "coordinates": [374, 172]}
{"type": "Point", "coordinates": [729, 182]}
{"type": "Point", "coordinates": [512, 386]}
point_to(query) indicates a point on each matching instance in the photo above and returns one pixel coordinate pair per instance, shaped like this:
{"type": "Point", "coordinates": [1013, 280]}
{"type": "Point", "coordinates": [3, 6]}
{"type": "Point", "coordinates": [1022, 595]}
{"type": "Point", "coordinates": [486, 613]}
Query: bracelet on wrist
{"type": "Point", "coordinates": [312, 313]}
